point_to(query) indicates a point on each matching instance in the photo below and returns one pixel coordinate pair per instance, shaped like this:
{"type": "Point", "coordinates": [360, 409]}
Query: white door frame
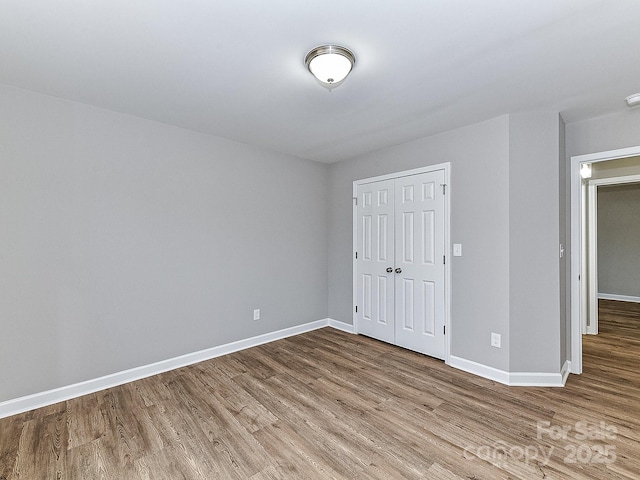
{"type": "Point", "coordinates": [591, 326]}
{"type": "Point", "coordinates": [592, 247]}
{"type": "Point", "coordinates": [447, 235]}
{"type": "Point", "coordinates": [578, 253]}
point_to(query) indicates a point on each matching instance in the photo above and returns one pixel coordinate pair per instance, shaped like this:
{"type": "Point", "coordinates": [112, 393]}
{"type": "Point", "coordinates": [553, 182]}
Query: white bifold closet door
{"type": "Point", "coordinates": [400, 262]}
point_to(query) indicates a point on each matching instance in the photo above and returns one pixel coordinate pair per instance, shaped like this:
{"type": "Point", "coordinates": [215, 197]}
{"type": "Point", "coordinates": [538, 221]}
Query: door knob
{"type": "Point", "coordinates": [389, 269]}
{"type": "Point", "coordinates": [398, 270]}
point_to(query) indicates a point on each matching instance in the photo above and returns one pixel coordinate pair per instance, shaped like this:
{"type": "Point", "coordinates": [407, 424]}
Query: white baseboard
{"type": "Point", "coordinates": [569, 367]}
{"type": "Point", "coordinates": [535, 379]}
{"type": "Point", "coordinates": [621, 298]}
{"type": "Point", "coordinates": [49, 397]}
{"type": "Point", "coordinates": [565, 371]}
{"type": "Point", "coordinates": [485, 371]}
{"type": "Point", "coordinates": [338, 325]}
{"type": "Point", "coordinates": [514, 379]}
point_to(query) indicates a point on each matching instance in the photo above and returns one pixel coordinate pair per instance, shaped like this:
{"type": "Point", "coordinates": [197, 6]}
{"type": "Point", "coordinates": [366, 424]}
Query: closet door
{"type": "Point", "coordinates": [400, 269]}
{"type": "Point", "coordinates": [375, 274]}
{"type": "Point", "coordinates": [419, 263]}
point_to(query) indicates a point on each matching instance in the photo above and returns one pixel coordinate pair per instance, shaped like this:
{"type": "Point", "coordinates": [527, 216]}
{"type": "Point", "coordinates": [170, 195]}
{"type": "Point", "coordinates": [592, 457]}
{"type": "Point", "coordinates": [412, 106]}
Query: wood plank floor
{"type": "Point", "coordinates": [327, 404]}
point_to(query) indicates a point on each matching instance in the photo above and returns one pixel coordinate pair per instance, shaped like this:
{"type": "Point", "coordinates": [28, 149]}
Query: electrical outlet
{"type": "Point", "coordinates": [496, 338]}
{"type": "Point", "coordinates": [256, 314]}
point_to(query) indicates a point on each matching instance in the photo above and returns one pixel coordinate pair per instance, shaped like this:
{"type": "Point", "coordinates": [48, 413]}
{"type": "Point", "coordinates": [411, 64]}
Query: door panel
{"type": "Point", "coordinates": [420, 309]}
{"type": "Point", "coordinates": [375, 286]}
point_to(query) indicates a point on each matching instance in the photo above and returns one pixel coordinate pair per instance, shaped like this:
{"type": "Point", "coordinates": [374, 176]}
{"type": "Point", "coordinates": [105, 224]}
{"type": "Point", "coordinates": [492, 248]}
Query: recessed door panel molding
{"type": "Point", "coordinates": [428, 307]}
{"type": "Point", "coordinates": [406, 306]}
{"type": "Point", "coordinates": [428, 190]}
{"type": "Point", "coordinates": [366, 237]}
{"type": "Point", "coordinates": [366, 297]}
{"type": "Point", "coordinates": [408, 236]}
{"type": "Point", "coordinates": [366, 199]}
{"type": "Point", "coordinates": [383, 287]}
{"type": "Point", "coordinates": [383, 198]}
{"type": "Point", "coordinates": [407, 194]}
{"type": "Point", "coordinates": [383, 234]}
{"type": "Point", "coordinates": [427, 240]}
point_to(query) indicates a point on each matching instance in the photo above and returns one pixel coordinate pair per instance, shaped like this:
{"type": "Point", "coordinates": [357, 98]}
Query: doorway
{"type": "Point", "coordinates": [605, 177]}
{"type": "Point", "coordinates": [579, 247]}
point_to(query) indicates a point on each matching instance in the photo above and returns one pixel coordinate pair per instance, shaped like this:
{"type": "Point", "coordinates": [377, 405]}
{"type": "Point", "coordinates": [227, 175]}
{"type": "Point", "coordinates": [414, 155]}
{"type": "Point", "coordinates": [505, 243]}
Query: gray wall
{"type": "Point", "coordinates": [479, 156]}
{"type": "Point", "coordinates": [609, 132]}
{"type": "Point", "coordinates": [534, 234]}
{"type": "Point", "coordinates": [619, 240]}
{"type": "Point", "coordinates": [126, 242]}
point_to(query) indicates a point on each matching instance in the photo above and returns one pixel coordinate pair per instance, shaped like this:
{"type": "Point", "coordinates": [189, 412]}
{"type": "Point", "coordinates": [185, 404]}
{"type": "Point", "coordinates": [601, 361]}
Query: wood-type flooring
{"type": "Point", "coordinates": [327, 404]}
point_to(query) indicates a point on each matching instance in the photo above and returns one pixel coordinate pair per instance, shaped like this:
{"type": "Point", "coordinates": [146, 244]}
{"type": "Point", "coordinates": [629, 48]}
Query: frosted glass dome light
{"type": "Point", "coordinates": [330, 64]}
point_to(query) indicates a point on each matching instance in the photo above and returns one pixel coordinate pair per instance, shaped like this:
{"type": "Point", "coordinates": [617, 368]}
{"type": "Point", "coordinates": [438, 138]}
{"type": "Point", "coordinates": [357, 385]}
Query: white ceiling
{"type": "Point", "coordinates": [235, 68]}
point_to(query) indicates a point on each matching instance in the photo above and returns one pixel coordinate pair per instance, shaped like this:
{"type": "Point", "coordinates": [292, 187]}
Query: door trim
{"type": "Point", "coordinates": [446, 167]}
{"type": "Point", "coordinates": [577, 247]}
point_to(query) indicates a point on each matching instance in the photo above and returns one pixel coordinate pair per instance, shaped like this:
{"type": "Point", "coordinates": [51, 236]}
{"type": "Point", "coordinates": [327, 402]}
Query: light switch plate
{"type": "Point", "coordinates": [457, 249]}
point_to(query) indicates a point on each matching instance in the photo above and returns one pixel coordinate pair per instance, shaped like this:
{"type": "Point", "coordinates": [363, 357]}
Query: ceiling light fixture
{"type": "Point", "coordinates": [330, 64]}
{"type": "Point", "coordinates": [633, 100]}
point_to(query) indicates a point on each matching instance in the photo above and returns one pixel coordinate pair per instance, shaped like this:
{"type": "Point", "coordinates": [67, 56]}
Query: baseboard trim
{"type": "Point", "coordinates": [479, 369]}
{"type": "Point", "coordinates": [49, 397]}
{"type": "Point", "coordinates": [536, 379]}
{"type": "Point", "coordinates": [621, 298]}
{"type": "Point", "coordinates": [565, 371]}
{"type": "Point", "coordinates": [342, 326]}
{"type": "Point", "coordinates": [513, 379]}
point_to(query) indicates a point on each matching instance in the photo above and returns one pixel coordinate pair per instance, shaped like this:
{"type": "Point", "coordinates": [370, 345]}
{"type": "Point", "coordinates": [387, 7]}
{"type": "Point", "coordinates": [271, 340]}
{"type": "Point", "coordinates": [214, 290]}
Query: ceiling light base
{"type": "Point", "coordinates": [633, 100]}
